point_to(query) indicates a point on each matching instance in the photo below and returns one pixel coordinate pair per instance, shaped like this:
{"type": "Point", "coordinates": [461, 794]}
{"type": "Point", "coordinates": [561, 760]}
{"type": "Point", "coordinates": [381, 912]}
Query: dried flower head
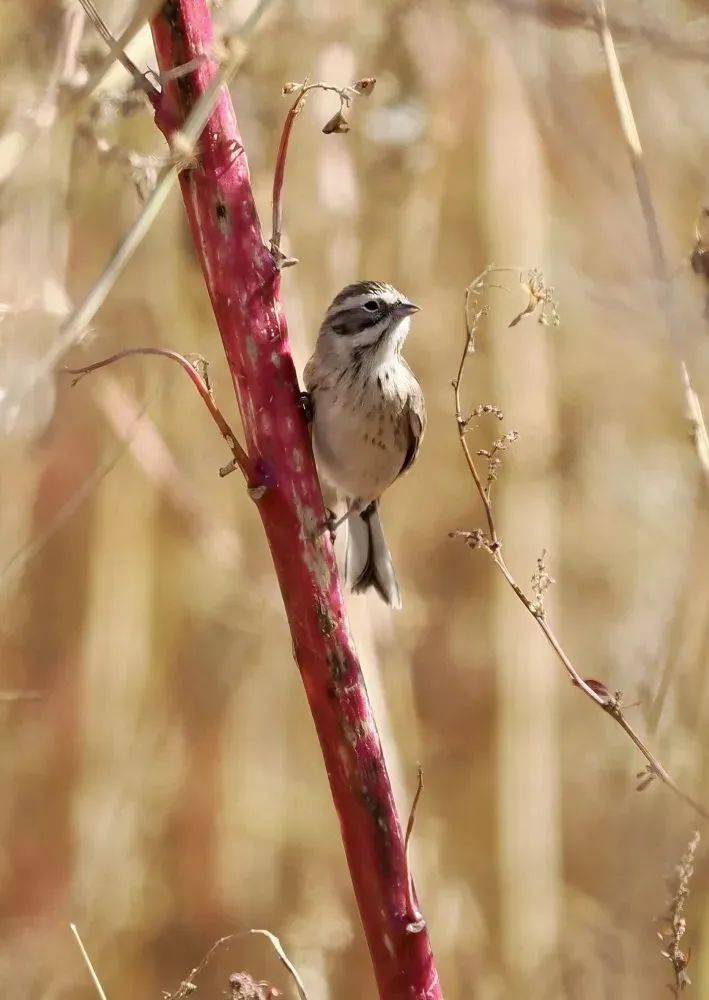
{"type": "Point", "coordinates": [365, 86]}
{"type": "Point", "coordinates": [541, 582]}
{"type": "Point", "coordinates": [540, 295]}
{"type": "Point", "coordinates": [338, 124]}
{"type": "Point", "coordinates": [674, 923]}
{"type": "Point", "coordinates": [243, 987]}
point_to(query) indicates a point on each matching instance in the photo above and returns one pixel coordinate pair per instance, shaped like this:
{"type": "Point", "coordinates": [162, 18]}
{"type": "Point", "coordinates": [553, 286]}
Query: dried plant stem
{"type": "Point", "coordinates": [184, 145]}
{"type": "Point", "coordinates": [188, 985]}
{"type": "Point", "coordinates": [596, 692]}
{"type": "Point", "coordinates": [565, 15]}
{"type": "Point", "coordinates": [240, 458]}
{"type": "Point", "coordinates": [663, 282]}
{"type": "Point", "coordinates": [301, 90]}
{"type": "Point", "coordinates": [118, 52]}
{"type": "Point", "coordinates": [415, 918]}
{"type": "Point", "coordinates": [243, 281]}
{"type": "Point", "coordinates": [279, 950]}
{"type": "Point", "coordinates": [140, 16]}
{"type": "Point", "coordinates": [279, 175]}
{"type": "Point", "coordinates": [675, 921]}
{"type": "Point", "coordinates": [87, 960]}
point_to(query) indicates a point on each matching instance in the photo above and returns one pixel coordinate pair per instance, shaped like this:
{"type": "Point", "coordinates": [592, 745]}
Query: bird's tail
{"type": "Point", "coordinates": [367, 560]}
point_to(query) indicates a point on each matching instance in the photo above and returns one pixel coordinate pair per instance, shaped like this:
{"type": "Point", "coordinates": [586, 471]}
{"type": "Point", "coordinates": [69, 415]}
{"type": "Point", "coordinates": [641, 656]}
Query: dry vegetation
{"type": "Point", "coordinates": [162, 783]}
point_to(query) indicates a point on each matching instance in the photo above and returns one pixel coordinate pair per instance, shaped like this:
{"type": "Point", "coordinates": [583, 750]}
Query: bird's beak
{"type": "Point", "coordinates": [406, 309]}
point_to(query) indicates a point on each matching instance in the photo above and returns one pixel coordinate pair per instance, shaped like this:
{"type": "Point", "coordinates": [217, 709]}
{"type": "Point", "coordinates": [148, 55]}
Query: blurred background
{"type": "Point", "coordinates": [161, 780]}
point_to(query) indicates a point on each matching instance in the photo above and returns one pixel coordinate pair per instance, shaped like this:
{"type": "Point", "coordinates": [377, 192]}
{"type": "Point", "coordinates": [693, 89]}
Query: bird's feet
{"type": "Point", "coordinates": [331, 524]}
{"type": "Point", "coordinates": [306, 405]}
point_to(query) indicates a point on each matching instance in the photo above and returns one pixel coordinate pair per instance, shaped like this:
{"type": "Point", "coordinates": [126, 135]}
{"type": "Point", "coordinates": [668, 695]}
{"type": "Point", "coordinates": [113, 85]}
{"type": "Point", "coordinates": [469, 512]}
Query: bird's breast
{"type": "Point", "coordinates": [359, 435]}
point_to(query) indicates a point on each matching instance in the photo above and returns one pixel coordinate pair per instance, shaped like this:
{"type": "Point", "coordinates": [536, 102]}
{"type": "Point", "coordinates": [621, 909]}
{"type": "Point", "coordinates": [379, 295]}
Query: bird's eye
{"type": "Point", "coordinates": [372, 305]}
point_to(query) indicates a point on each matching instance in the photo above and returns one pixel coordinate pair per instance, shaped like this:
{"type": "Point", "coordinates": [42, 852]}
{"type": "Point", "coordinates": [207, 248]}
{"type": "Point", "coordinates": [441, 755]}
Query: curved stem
{"type": "Point", "coordinates": [241, 459]}
{"type": "Point", "coordinates": [611, 705]}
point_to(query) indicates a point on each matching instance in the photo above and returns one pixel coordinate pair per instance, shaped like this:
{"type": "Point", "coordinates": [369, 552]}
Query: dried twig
{"type": "Point", "coordinates": [140, 79]}
{"type": "Point", "coordinates": [675, 923]}
{"type": "Point", "coordinates": [490, 541]}
{"type": "Point", "coordinates": [184, 143]}
{"type": "Point", "coordinates": [338, 123]}
{"type": "Point", "coordinates": [241, 985]}
{"type": "Point", "coordinates": [416, 922]}
{"type": "Point", "coordinates": [566, 15]}
{"type": "Point", "coordinates": [187, 986]}
{"type": "Point", "coordinates": [240, 458]}
{"type": "Point", "coordinates": [278, 948]}
{"type": "Point", "coordinates": [87, 960]}
{"type": "Point", "coordinates": [663, 282]}
{"type": "Point", "coordinates": [140, 15]}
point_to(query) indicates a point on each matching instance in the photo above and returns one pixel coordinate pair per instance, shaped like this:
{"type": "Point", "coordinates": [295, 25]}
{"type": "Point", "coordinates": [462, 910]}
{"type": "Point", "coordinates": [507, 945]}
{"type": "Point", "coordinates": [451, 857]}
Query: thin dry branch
{"type": "Point", "coordinates": [140, 80]}
{"type": "Point", "coordinates": [278, 948]}
{"type": "Point", "coordinates": [663, 281]}
{"type": "Point", "coordinates": [240, 459]}
{"type": "Point", "coordinates": [89, 964]}
{"type": "Point", "coordinates": [565, 15]}
{"type": "Point", "coordinates": [183, 144]}
{"type": "Point", "coordinates": [595, 690]}
{"type": "Point", "coordinates": [188, 986]}
{"type": "Point", "coordinates": [416, 922]}
{"type": "Point", "coordinates": [337, 124]}
{"type": "Point", "coordinates": [139, 18]}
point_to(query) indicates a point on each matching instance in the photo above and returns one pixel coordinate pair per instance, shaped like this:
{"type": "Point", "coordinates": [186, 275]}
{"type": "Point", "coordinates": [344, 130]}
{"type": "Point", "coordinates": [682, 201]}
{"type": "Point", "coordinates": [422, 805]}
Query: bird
{"type": "Point", "coordinates": [368, 417]}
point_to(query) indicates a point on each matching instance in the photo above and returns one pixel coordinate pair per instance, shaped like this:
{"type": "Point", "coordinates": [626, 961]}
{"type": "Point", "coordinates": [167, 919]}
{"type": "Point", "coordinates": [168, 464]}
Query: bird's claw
{"type": "Point", "coordinates": [306, 405]}
{"type": "Point", "coordinates": [331, 524]}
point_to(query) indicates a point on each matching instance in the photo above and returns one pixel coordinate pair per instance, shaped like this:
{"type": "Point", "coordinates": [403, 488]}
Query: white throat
{"type": "Point", "coordinates": [389, 349]}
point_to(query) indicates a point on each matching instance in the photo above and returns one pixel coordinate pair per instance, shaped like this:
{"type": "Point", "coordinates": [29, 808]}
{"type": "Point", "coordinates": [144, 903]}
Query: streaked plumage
{"type": "Point", "coordinates": [368, 418]}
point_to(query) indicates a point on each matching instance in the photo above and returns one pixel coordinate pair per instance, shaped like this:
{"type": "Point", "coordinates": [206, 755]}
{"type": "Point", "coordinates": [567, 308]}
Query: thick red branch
{"type": "Point", "coordinates": [243, 283]}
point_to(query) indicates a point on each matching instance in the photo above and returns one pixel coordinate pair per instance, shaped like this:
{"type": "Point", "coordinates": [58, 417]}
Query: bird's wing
{"type": "Point", "coordinates": [310, 373]}
{"type": "Point", "coordinates": [415, 413]}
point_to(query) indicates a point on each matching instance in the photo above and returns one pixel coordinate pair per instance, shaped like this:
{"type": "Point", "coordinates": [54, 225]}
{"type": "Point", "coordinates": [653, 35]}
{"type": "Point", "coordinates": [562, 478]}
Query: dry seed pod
{"type": "Point", "coordinates": [365, 86]}
{"type": "Point", "coordinates": [337, 124]}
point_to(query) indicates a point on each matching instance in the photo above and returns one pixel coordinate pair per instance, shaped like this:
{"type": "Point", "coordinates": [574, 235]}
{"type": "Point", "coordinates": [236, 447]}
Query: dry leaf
{"type": "Point", "coordinates": [337, 124]}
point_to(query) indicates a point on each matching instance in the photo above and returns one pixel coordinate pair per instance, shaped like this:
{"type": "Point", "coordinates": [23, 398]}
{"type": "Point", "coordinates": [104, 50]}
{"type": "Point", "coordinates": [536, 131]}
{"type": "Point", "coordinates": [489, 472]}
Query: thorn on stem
{"type": "Point", "coordinates": [280, 259]}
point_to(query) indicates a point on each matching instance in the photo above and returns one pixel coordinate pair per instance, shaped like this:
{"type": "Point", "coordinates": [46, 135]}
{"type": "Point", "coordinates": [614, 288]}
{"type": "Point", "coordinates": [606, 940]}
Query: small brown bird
{"type": "Point", "coordinates": [368, 417]}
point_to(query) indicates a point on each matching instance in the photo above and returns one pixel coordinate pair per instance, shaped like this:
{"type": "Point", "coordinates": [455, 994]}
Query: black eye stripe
{"type": "Point", "coordinates": [350, 321]}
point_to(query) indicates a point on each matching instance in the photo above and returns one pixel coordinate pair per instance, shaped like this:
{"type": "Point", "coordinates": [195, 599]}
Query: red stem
{"type": "Point", "coordinates": [243, 284]}
{"type": "Point", "coordinates": [279, 173]}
